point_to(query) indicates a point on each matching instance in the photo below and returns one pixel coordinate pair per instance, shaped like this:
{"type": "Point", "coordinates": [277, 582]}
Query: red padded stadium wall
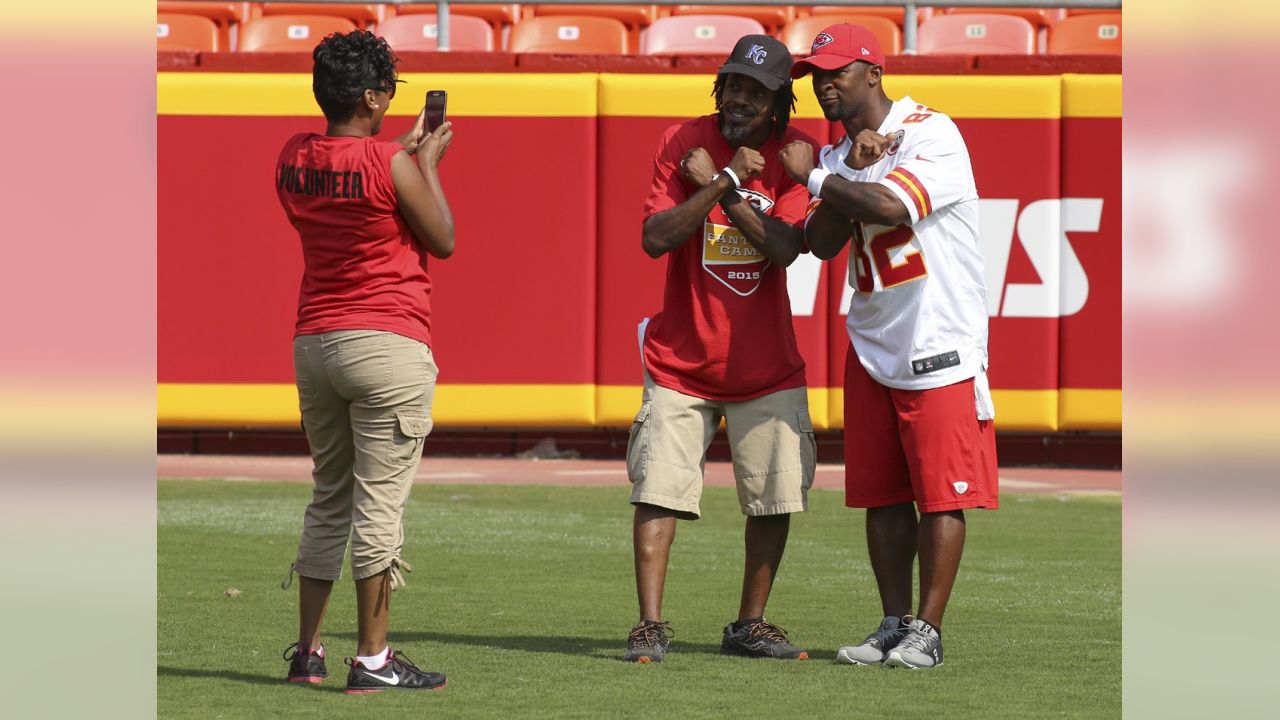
{"type": "Point", "coordinates": [534, 317]}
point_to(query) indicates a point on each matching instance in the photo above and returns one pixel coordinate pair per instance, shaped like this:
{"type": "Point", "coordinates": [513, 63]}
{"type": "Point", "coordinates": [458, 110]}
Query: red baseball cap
{"type": "Point", "coordinates": [837, 46]}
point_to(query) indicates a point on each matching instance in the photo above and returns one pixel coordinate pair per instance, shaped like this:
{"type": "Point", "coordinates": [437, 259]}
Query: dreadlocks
{"type": "Point", "coordinates": [784, 103]}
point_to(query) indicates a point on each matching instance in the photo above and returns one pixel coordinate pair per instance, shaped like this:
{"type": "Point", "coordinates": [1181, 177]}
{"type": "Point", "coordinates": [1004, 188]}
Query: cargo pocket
{"type": "Point", "coordinates": [407, 437]}
{"type": "Point", "coordinates": [638, 444]}
{"type": "Point", "coordinates": [808, 448]}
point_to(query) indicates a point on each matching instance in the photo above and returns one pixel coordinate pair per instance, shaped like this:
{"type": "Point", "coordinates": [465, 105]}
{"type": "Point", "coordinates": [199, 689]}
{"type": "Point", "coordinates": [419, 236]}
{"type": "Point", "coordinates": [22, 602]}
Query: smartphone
{"type": "Point", "coordinates": [436, 100]}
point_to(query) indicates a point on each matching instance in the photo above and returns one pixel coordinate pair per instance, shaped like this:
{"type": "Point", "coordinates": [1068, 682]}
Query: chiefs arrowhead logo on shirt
{"type": "Point", "coordinates": [727, 254]}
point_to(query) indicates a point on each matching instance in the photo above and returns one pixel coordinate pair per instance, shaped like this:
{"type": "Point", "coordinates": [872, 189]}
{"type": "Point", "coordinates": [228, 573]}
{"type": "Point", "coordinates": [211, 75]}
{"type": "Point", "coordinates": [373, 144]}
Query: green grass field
{"type": "Point", "coordinates": [524, 596]}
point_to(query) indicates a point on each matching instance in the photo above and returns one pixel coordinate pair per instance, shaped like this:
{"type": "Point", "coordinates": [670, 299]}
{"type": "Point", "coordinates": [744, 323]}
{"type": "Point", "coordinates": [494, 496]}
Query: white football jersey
{"type": "Point", "coordinates": [918, 313]}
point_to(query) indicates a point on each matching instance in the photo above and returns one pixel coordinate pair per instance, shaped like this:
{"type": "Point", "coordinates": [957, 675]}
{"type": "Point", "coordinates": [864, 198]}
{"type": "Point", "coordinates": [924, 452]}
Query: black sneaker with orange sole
{"type": "Point", "coordinates": [305, 667]}
{"type": "Point", "coordinates": [648, 642]}
{"type": "Point", "coordinates": [399, 673]}
{"type": "Point", "coordinates": [761, 639]}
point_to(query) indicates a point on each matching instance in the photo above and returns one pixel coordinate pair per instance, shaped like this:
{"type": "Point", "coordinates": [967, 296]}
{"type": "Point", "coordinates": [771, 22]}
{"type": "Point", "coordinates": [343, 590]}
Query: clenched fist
{"type": "Point", "coordinates": [868, 147]}
{"type": "Point", "coordinates": [746, 163]}
{"type": "Point", "coordinates": [797, 158]}
{"type": "Point", "coordinates": [698, 167]}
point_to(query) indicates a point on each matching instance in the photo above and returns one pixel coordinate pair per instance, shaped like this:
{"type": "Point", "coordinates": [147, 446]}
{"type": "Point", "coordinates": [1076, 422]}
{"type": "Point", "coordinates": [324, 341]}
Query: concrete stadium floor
{"type": "Point", "coordinates": [530, 471]}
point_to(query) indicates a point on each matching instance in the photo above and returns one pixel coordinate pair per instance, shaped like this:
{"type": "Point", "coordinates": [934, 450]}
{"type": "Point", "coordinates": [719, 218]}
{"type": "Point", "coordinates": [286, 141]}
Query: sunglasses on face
{"type": "Point", "coordinates": [389, 90]}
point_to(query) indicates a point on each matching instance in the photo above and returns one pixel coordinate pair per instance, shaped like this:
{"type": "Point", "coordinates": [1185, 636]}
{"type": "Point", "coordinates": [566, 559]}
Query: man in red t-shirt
{"type": "Point", "coordinates": [723, 347]}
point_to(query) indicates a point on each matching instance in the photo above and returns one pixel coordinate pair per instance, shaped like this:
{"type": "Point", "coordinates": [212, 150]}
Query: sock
{"type": "Point", "coordinates": [375, 661]}
{"type": "Point", "coordinates": [930, 625]}
{"type": "Point", "coordinates": [304, 650]}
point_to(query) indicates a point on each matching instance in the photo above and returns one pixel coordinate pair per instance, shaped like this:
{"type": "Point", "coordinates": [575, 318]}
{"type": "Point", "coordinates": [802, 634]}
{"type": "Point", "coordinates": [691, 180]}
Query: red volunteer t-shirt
{"type": "Point", "coordinates": [364, 268]}
{"type": "Point", "coordinates": [725, 330]}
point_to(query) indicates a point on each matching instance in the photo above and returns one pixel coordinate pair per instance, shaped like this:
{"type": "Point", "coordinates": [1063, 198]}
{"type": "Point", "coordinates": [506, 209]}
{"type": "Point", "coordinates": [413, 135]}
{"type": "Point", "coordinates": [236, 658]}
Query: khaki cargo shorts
{"type": "Point", "coordinates": [770, 438]}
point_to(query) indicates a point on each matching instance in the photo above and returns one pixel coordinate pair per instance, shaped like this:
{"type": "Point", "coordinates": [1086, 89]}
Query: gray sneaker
{"type": "Point", "coordinates": [921, 648]}
{"type": "Point", "coordinates": [648, 642]}
{"type": "Point", "coordinates": [873, 649]}
{"type": "Point", "coordinates": [759, 638]}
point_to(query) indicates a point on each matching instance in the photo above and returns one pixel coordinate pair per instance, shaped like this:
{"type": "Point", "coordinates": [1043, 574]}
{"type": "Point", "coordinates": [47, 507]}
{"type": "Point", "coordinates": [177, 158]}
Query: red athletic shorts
{"type": "Point", "coordinates": [926, 446]}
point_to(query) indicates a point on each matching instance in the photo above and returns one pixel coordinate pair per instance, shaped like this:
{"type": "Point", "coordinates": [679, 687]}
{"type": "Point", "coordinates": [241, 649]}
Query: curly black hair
{"type": "Point", "coordinates": [347, 64]}
{"type": "Point", "coordinates": [784, 103]}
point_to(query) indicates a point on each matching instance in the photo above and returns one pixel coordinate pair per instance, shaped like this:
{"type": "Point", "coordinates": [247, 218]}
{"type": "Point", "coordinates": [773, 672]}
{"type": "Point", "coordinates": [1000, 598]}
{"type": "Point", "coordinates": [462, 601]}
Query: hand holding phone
{"type": "Point", "coordinates": [436, 101]}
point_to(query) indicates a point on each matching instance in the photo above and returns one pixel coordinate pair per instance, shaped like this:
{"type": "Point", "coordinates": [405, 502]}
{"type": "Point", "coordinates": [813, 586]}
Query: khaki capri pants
{"type": "Point", "coordinates": [365, 397]}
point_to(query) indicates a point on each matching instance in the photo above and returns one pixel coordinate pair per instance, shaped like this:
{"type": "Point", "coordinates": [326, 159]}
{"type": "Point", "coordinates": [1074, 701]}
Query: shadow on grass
{"type": "Point", "coordinates": [277, 681]}
{"type": "Point", "coordinates": [598, 648]}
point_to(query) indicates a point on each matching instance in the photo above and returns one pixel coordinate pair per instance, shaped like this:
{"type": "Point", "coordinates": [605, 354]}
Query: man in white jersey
{"type": "Point", "coordinates": [917, 408]}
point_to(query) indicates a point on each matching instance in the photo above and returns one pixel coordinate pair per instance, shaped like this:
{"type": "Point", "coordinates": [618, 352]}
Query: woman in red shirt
{"type": "Point", "coordinates": [368, 213]}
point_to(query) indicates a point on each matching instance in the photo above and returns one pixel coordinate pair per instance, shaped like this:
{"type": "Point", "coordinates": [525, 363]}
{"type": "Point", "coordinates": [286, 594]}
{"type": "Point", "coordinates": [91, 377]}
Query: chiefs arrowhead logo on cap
{"type": "Point", "coordinates": [839, 45]}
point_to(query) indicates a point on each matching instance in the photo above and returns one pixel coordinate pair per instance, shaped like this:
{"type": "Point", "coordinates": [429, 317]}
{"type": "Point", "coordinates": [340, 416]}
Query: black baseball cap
{"type": "Point", "coordinates": [760, 57]}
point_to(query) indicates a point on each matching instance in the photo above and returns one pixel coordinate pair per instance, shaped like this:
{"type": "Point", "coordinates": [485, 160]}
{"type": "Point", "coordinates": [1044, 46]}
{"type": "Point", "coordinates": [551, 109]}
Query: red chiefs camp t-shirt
{"type": "Point", "coordinates": [364, 269]}
{"type": "Point", "coordinates": [725, 331]}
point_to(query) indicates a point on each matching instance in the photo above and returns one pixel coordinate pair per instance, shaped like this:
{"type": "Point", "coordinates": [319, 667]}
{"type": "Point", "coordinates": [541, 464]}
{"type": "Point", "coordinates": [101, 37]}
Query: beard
{"type": "Point", "coordinates": [836, 113]}
{"type": "Point", "coordinates": [734, 133]}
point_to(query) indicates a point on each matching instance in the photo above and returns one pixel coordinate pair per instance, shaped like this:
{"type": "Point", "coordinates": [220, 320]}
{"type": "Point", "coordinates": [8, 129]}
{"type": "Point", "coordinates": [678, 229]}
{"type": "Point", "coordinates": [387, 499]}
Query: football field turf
{"type": "Point", "coordinates": [524, 595]}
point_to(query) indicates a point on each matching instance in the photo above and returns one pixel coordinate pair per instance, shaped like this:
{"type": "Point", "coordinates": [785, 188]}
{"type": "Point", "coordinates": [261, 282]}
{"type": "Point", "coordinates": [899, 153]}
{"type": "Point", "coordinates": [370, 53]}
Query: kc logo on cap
{"type": "Point", "coordinates": [762, 58]}
{"type": "Point", "coordinates": [822, 39]}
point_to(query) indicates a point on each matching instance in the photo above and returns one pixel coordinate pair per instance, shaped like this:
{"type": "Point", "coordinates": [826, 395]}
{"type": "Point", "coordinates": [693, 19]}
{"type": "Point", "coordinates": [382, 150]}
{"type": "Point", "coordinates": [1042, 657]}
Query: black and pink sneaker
{"type": "Point", "coordinates": [397, 674]}
{"type": "Point", "coordinates": [305, 667]}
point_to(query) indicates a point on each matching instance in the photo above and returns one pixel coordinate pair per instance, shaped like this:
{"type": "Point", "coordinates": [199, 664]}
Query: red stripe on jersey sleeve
{"type": "Point", "coordinates": [924, 192]}
{"type": "Point", "coordinates": [814, 204]}
{"type": "Point", "coordinates": [915, 197]}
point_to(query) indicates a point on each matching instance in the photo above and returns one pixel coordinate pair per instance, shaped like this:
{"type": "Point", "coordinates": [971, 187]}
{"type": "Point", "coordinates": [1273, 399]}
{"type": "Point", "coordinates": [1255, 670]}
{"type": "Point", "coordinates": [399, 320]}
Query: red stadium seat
{"type": "Point", "coordinates": [771, 17]}
{"type": "Point", "coordinates": [1086, 35]}
{"type": "Point", "coordinates": [185, 32]}
{"type": "Point", "coordinates": [1038, 17]}
{"type": "Point", "coordinates": [696, 34]}
{"type": "Point", "coordinates": [362, 14]}
{"type": "Point", "coordinates": [290, 33]}
{"type": "Point", "coordinates": [896, 14]}
{"type": "Point", "coordinates": [219, 12]}
{"type": "Point", "coordinates": [418, 32]}
{"type": "Point", "coordinates": [496, 15]}
{"type": "Point", "coordinates": [976, 35]}
{"type": "Point", "coordinates": [798, 35]}
{"type": "Point", "coordinates": [569, 34]}
{"type": "Point", "coordinates": [225, 14]}
{"type": "Point", "coordinates": [633, 16]}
